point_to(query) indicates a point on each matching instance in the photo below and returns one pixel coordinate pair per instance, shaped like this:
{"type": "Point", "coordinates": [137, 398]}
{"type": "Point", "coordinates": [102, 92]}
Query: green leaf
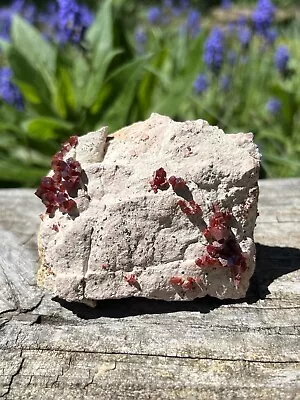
{"type": "Point", "coordinates": [96, 79]}
{"type": "Point", "coordinates": [39, 53]}
{"type": "Point", "coordinates": [24, 174]}
{"type": "Point", "coordinates": [4, 45]}
{"type": "Point", "coordinates": [100, 35]}
{"type": "Point", "coordinates": [31, 82]}
{"type": "Point", "coordinates": [29, 92]}
{"type": "Point", "coordinates": [46, 128]}
{"type": "Point", "coordinates": [181, 85]}
{"type": "Point", "coordinates": [125, 80]}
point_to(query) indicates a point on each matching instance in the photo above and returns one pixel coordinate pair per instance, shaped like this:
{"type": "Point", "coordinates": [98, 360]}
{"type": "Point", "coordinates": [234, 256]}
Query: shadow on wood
{"type": "Point", "coordinates": [272, 262]}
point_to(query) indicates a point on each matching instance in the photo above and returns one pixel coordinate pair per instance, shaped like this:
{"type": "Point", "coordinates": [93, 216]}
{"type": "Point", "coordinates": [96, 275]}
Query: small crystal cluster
{"type": "Point", "coordinates": [159, 180]}
{"type": "Point", "coordinates": [55, 190]}
{"type": "Point", "coordinates": [222, 249]}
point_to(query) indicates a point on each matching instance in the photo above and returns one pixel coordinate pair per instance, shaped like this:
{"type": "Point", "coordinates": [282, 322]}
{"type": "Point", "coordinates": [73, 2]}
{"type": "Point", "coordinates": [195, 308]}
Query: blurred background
{"type": "Point", "coordinates": [69, 67]}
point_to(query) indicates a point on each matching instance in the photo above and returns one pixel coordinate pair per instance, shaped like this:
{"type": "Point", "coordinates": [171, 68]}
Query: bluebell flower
{"type": "Point", "coordinates": [49, 16]}
{"type": "Point", "coordinates": [5, 22]}
{"type": "Point", "coordinates": [193, 22]}
{"type": "Point", "coordinates": [73, 20]}
{"type": "Point", "coordinates": [281, 59]}
{"type": "Point", "coordinates": [9, 92]}
{"type": "Point", "coordinates": [28, 11]}
{"type": "Point", "coordinates": [214, 50]}
{"type": "Point", "coordinates": [225, 82]}
{"type": "Point", "coordinates": [154, 15]}
{"type": "Point", "coordinates": [271, 35]}
{"type": "Point", "coordinates": [226, 4]}
{"type": "Point", "coordinates": [178, 7]}
{"type": "Point", "coordinates": [263, 16]}
{"type": "Point", "coordinates": [168, 3]}
{"type": "Point", "coordinates": [273, 106]}
{"type": "Point", "coordinates": [201, 84]}
{"type": "Point", "coordinates": [140, 36]}
{"type": "Point", "coordinates": [17, 6]}
{"type": "Point", "coordinates": [244, 34]}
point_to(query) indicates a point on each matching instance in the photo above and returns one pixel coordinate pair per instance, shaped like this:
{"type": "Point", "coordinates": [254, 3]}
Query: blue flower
{"type": "Point", "coordinates": [28, 11]}
{"type": "Point", "coordinates": [201, 84]}
{"type": "Point", "coordinates": [193, 22]}
{"type": "Point", "coordinates": [271, 35]}
{"type": "Point", "coordinates": [281, 59]}
{"type": "Point", "coordinates": [226, 4]}
{"type": "Point", "coordinates": [263, 16]}
{"type": "Point", "coordinates": [244, 35]}
{"type": "Point", "coordinates": [273, 106]}
{"type": "Point", "coordinates": [154, 15]}
{"type": "Point", "coordinates": [73, 20]}
{"type": "Point", "coordinates": [168, 3]}
{"type": "Point", "coordinates": [140, 36]}
{"type": "Point", "coordinates": [214, 50]}
{"type": "Point", "coordinates": [5, 22]}
{"type": "Point", "coordinates": [9, 92]}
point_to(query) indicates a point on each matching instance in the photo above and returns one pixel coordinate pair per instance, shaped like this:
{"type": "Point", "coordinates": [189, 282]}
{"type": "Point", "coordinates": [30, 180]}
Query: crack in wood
{"type": "Point", "coordinates": [163, 356]}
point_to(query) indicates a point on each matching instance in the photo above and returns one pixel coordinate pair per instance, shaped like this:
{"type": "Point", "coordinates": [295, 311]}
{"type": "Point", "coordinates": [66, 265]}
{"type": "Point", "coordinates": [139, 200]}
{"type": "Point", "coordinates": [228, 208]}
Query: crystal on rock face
{"type": "Point", "coordinates": [168, 207]}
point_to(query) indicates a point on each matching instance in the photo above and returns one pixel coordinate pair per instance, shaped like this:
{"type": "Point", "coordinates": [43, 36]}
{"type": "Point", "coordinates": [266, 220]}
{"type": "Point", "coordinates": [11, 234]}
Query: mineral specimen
{"type": "Point", "coordinates": [160, 209]}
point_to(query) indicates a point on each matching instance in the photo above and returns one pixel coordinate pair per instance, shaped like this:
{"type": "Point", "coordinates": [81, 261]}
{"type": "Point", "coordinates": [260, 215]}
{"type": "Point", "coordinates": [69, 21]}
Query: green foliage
{"type": "Point", "coordinates": [108, 81]}
{"type": "Point", "coordinates": [66, 90]}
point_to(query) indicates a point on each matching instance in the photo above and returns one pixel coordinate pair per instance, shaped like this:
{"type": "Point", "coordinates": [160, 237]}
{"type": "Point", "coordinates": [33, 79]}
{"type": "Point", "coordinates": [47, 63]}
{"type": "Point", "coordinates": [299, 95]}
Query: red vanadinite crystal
{"type": "Point", "coordinates": [190, 207]}
{"type": "Point", "coordinates": [55, 228]}
{"type": "Point", "coordinates": [47, 183]}
{"type": "Point", "coordinates": [159, 180]}
{"type": "Point", "coordinates": [54, 190]}
{"type": "Point", "coordinates": [189, 283]}
{"type": "Point", "coordinates": [218, 228]}
{"type": "Point", "coordinates": [130, 279]}
{"type": "Point", "coordinates": [206, 260]}
{"type": "Point", "coordinates": [214, 249]}
{"type": "Point", "coordinates": [177, 183]}
{"type": "Point", "coordinates": [176, 280]}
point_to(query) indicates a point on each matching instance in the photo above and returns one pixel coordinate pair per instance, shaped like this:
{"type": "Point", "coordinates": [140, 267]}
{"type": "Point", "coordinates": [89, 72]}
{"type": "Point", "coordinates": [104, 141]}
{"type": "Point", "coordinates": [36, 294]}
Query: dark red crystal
{"type": "Point", "coordinates": [130, 279]}
{"type": "Point", "coordinates": [177, 183]}
{"type": "Point", "coordinates": [176, 280]}
{"type": "Point", "coordinates": [189, 283]}
{"type": "Point", "coordinates": [54, 191]}
{"type": "Point", "coordinates": [159, 180]}
{"type": "Point", "coordinates": [206, 260]}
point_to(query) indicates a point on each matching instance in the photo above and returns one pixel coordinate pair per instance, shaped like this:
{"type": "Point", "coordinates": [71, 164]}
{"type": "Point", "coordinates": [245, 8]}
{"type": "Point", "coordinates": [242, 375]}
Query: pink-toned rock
{"type": "Point", "coordinates": [164, 210]}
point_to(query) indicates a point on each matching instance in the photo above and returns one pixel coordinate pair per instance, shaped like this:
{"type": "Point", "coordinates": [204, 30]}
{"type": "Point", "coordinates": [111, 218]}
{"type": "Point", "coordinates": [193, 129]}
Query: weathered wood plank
{"type": "Point", "coordinates": [141, 349]}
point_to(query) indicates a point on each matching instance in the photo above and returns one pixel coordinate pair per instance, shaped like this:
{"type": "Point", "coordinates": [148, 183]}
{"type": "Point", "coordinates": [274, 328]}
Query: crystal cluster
{"type": "Point", "coordinates": [222, 249]}
{"type": "Point", "coordinates": [181, 232]}
{"type": "Point", "coordinates": [56, 190]}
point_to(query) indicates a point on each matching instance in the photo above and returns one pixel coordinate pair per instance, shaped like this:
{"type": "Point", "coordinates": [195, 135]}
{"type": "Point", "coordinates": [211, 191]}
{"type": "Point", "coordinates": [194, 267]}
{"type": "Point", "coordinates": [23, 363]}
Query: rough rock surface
{"type": "Point", "coordinates": [128, 239]}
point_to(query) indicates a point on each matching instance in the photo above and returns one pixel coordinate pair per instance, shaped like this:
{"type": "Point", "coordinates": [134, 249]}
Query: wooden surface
{"type": "Point", "coordinates": [141, 349]}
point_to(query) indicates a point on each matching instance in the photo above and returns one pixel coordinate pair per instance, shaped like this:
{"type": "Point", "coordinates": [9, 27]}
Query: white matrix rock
{"type": "Point", "coordinates": [126, 240]}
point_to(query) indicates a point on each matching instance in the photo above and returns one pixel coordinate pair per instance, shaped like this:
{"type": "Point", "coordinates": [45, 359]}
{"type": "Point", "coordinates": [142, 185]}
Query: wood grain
{"type": "Point", "coordinates": [143, 349]}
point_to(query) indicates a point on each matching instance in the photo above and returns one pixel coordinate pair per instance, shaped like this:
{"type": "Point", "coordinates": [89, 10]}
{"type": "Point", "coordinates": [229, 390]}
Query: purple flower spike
{"type": "Point", "coordinates": [273, 106]}
{"type": "Point", "coordinates": [281, 59]}
{"type": "Point", "coordinates": [9, 92]}
{"type": "Point", "coordinates": [201, 84]}
{"type": "Point", "coordinates": [214, 50]}
{"type": "Point", "coordinates": [263, 16]}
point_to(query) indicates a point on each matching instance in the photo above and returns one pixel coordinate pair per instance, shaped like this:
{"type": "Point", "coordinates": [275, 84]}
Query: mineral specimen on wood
{"type": "Point", "coordinates": [161, 209]}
